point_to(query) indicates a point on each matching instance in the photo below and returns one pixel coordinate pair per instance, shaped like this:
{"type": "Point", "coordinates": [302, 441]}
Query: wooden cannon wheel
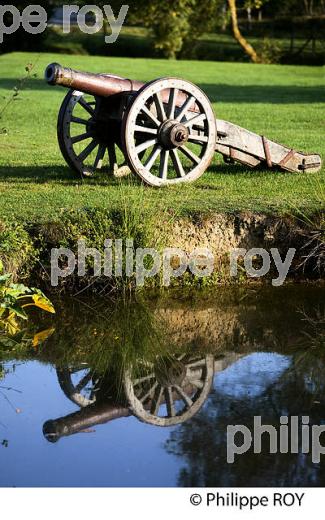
{"type": "Point", "coordinates": [78, 384]}
{"type": "Point", "coordinates": [86, 136]}
{"type": "Point", "coordinates": [169, 132]}
{"type": "Point", "coordinates": [170, 391]}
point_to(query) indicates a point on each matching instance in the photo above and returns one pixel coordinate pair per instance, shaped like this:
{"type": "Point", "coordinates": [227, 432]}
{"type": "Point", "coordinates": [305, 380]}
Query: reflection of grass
{"type": "Point", "coordinates": [313, 230]}
{"type": "Point", "coordinates": [315, 333]}
{"type": "Point", "coordinates": [310, 349]}
{"type": "Point", "coordinates": [109, 335]}
{"type": "Point", "coordinates": [91, 330]}
{"type": "Point", "coordinates": [308, 366]}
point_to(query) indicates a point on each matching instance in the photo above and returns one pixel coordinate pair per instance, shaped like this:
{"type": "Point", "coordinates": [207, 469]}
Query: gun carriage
{"type": "Point", "coordinates": [165, 130]}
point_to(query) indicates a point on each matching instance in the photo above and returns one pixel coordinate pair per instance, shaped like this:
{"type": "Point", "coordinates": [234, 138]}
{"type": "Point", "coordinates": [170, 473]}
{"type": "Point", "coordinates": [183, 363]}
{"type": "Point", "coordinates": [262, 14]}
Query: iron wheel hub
{"type": "Point", "coordinates": [172, 134]}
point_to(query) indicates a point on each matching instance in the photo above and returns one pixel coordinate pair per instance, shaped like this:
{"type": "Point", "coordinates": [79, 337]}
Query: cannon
{"type": "Point", "coordinates": [163, 393]}
{"type": "Point", "coordinates": [165, 131]}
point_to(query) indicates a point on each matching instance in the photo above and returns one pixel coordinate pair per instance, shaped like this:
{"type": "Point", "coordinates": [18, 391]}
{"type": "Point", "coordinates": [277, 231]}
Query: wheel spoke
{"type": "Point", "coordinates": [185, 108]}
{"type": "Point", "coordinates": [74, 370]}
{"type": "Point", "coordinates": [86, 106]}
{"type": "Point", "coordinates": [177, 163]}
{"type": "Point", "coordinates": [187, 400]}
{"type": "Point", "coordinates": [112, 156]}
{"type": "Point", "coordinates": [146, 130]}
{"type": "Point", "coordinates": [99, 157]}
{"type": "Point", "coordinates": [190, 154]}
{"type": "Point", "coordinates": [195, 120]}
{"type": "Point", "coordinates": [171, 103]}
{"type": "Point", "coordinates": [83, 382]}
{"type": "Point", "coordinates": [87, 151]}
{"type": "Point", "coordinates": [140, 380]}
{"type": "Point", "coordinates": [154, 409]}
{"type": "Point", "coordinates": [163, 167]}
{"type": "Point", "coordinates": [194, 364]}
{"type": "Point", "coordinates": [150, 115]}
{"type": "Point", "coordinates": [170, 402]}
{"type": "Point", "coordinates": [93, 393]}
{"type": "Point", "coordinates": [79, 121]}
{"type": "Point", "coordinates": [149, 393]}
{"type": "Point", "coordinates": [198, 139]}
{"type": "Point", "coordinates": [159, 107]}
{"type": "Point", "coordinates": [152, 157]}
{"type": "Point", "coordinates": [81, 137]}
{"type": "Point", "coordinates": [144, 146]}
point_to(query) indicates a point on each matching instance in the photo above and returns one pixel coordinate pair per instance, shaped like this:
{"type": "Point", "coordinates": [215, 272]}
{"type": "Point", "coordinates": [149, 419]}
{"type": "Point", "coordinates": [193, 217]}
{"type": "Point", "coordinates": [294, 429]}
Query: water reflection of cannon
{"type": "Point", "coordinates": [166, 392]}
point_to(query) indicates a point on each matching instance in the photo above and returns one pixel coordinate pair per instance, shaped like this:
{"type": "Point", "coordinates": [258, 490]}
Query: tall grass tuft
{"type": "Point", "coordinates": [313, 231]}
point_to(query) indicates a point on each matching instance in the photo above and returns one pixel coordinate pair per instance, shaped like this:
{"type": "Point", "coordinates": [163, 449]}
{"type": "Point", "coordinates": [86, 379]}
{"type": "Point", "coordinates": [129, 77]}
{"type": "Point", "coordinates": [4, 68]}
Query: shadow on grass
{"type": "Point", "coordinates": [31, 84]}
{"type": "Point", "coordinates": [238, 169]}
{"type": "Point", "coordinates": [60, 175]}
{"type": "Point", "coordinates": [232, 169]}
{"type": "Point", "coordinates": [268, 94]}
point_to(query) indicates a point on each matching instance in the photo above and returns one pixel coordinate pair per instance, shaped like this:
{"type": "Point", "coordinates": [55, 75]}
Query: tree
{"type": "Point", "coordinates": [174, 26]}
{"type": "Point", "coordinates": [205, 17]}
{"type": "Point", "coordinates": [249, 50]}
{"type": "Point", "coordinates": [169, 25]}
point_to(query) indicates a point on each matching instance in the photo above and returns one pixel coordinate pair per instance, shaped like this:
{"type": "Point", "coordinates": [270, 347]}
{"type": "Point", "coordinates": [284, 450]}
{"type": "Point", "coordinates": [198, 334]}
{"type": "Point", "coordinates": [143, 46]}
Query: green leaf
{"type": "Point", "coordinates": [4, 278]}
{"type": "Point", "coordinates": [18, 311]}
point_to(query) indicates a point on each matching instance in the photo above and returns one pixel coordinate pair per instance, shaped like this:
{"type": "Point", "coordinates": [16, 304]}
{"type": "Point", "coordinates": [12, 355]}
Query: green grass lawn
{"type": "Point", "coordinates": [285, 103]}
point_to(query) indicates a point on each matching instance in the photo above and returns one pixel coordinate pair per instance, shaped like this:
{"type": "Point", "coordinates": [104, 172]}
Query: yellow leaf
{"type": "Point", "coordinates": [40, 337]}
{"type": "Point", "coordinates": [43, 303]}
{"type": "Point", "coordinates": [11, 325]}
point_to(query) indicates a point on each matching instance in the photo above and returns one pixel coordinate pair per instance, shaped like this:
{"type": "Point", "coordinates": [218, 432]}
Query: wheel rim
{"type": "Point", "coordinates": [86, 142]}
{"type": "Point", "coordinates": [169, 132]}
{"type": "Point", "coordinates": [78, 384]}
{"type": "Point", "coordinates": [166, 395]}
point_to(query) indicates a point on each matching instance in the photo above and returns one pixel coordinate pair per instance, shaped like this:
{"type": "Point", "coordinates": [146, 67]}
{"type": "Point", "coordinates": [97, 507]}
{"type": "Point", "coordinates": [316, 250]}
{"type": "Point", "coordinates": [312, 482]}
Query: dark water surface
{"type": "Point", "coordinates": [140, 393]}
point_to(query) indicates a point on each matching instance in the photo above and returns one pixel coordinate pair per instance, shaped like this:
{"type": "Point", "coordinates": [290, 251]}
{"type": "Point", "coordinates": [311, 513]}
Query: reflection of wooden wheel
{"type": "Point", "coordinates": [171, 390]}
{"type": "Point", "coordinates": [87, 135]}
{"type": "Point", "coordinates": [169, 132]}
{"type": "Point", "coordinates": [78, 384]}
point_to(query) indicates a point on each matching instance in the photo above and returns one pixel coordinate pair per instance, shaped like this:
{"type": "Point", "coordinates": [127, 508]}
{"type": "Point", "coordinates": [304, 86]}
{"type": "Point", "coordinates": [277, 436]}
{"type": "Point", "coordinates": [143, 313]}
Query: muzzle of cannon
{"type": "Point", "coordinates": [104, 85]}
{"type": "Point", "coordinates": [165, 131]}
{"type": "Point", "coordinates": [82, 420]}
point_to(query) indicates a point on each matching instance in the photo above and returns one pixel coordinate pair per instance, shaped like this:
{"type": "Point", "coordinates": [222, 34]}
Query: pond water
{"type": "Point", "coordinates": [140, 393]}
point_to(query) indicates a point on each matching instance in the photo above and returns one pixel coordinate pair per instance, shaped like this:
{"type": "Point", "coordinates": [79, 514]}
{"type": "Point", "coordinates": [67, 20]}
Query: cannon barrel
{"type": "Point", "coordinates": [85, 418]}
{"type": "Point", "coordinates": [104, 85]}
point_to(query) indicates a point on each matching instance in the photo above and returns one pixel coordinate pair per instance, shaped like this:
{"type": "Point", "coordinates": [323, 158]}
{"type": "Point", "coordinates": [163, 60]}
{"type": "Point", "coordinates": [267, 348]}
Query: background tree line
{"type": "Point", "coordinates": [175, 26]}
